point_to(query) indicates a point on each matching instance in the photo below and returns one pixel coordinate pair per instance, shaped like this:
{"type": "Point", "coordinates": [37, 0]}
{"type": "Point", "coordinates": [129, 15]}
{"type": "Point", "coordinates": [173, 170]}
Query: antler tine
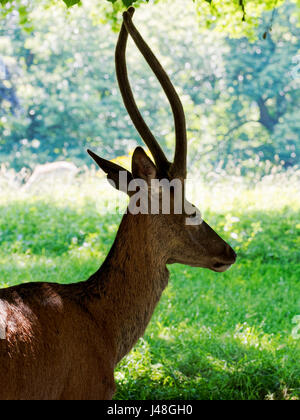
{"type": "Point", "coordinates": [130, 104]}
{"type": "Point", "coordinates": [178, 168]}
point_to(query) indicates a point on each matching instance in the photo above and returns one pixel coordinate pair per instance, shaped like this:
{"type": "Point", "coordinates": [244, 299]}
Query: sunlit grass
{"type": "Point", "coordinates": [213, 336]}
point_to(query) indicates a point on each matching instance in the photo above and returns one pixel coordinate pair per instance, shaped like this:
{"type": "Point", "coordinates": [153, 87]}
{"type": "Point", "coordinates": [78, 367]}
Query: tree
{"type": "Point", "coordinates": [261, 96]}
{"type": "Point", "coordinates": [237, 17]}
{"type": "Point", "coordinates": [8, 97]}
{"type": "Point", "coordinates": [240, 96]}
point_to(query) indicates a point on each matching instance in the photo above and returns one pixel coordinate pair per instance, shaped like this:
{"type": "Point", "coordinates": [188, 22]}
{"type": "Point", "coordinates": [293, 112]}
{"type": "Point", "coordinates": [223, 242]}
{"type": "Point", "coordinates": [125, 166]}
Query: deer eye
{"type": "Point", "coordinates": [194, 217]}
{"type": "Point", "coordinates": [192, 211]}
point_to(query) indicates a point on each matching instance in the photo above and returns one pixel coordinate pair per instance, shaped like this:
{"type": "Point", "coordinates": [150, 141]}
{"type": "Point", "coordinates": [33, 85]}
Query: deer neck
{"type": "Point", "coordinates": [131, 281]}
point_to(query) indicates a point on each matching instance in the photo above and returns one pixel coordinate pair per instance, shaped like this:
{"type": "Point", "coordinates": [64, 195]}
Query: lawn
{"type": "Point", "coordinates": [213, 336]}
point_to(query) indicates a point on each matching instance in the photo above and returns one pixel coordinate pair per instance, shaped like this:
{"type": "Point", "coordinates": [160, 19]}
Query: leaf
{"type": "Point", "coordinates": [3, 2]}
{"type": "Point", "coordinates": [128, 3]}
{"type": "Point", "coordinates": [71, 3]}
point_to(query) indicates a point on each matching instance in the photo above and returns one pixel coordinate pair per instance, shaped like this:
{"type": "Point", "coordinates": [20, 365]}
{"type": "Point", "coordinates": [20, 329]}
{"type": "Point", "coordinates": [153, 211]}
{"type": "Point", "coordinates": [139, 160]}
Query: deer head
{"type": "Point", "coordinates": [185, 237]}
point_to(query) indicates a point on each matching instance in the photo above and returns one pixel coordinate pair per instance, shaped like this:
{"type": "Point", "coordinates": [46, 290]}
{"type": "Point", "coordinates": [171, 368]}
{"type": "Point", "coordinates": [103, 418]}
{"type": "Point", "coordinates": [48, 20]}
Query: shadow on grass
{"type": "Point", "coordinates": [50, 243]}
{"type": "Point", "coordinates": [220, 370]}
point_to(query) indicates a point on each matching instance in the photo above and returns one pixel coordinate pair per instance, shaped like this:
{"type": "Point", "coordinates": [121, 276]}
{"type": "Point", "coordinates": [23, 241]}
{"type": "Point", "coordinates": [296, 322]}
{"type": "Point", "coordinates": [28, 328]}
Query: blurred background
{"type": "Point", "coordinates": [59, 95]}
{"type": "Point", "coordinates": [228, 336]}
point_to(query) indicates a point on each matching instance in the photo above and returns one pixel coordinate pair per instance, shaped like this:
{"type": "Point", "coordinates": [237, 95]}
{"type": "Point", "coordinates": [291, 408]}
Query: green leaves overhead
{"type": "Point", "coordinates": [71, 3]}
{"type": "Point", "coordinates": [126, 3]}
{"type": "Point", "coordinates": [236, 17]}
{"type": "Point", "coordinates": [241, 98]}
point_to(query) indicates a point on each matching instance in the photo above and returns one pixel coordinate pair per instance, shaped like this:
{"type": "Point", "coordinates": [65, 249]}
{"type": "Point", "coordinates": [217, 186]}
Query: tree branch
{"type": "Point", "coordinates": [265, 117]}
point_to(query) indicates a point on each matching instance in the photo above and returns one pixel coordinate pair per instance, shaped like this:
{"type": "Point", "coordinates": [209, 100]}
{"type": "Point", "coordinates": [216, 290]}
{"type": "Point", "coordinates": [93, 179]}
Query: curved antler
{"type": "Point", "coordinates": [130, 104]}
{"type": "Point", "coordinates": [178, 167]}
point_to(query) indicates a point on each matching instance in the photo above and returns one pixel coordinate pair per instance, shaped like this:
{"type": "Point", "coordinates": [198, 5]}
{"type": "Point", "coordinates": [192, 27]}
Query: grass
{"type": "Point", "coordinates": [213, 336]}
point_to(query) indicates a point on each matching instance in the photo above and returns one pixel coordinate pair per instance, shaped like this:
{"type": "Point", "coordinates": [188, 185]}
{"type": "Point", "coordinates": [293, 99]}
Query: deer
{"type": "Point", "coordinates": [63, 341]}
{"type": "Point", "coordinates": [50, 173]}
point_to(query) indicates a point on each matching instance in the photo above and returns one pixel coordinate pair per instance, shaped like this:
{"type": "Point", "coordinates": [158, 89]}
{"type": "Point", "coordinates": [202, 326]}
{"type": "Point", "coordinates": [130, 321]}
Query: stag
{"type": "Point", "coordinates": [63, 342]}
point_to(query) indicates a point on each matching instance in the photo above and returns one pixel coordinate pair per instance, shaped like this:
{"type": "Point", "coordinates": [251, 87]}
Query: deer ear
{"type": "Point", "coordinates": [118, 177]}
{"type": "Point", "coordinates": [142, 166]}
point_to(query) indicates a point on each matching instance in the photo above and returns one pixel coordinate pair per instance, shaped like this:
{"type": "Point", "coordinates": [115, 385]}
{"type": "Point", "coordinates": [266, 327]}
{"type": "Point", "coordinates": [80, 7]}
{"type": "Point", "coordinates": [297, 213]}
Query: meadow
{"type": "Point", "coordinates": [213, 336]}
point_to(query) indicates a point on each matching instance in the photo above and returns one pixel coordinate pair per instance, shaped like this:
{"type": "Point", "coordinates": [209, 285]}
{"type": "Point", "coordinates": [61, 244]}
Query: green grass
{"type": "Point", "coordinates": [213, 336]}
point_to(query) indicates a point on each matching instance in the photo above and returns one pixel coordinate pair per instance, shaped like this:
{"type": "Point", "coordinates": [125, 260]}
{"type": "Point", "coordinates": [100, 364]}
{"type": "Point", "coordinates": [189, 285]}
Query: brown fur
{"type": "Point", "coordinates": [63, 341]}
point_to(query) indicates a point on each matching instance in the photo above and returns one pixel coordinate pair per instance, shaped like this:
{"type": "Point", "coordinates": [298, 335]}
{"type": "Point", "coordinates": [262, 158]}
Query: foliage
{"type": "Point", "coordinates": [58, 92]}
{"type": "Point", "coordinates": [255, 99]}
{"type": "Point", "coordinates": [213, 336]}
{"type": "Point", "coordinates": [235, 16]}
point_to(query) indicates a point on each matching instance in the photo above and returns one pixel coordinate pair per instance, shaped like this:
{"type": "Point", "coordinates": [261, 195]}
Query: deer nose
{"type": "Point", "coordinates": [230, 253]}
{"type": "Point", "coordinates": [226, 259]}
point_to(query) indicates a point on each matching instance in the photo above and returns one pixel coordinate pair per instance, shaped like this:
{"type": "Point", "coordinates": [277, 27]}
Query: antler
{"type": "Point", "coordinates": [178, 167]}
{"type": "Point", "coordinates": [130, 104]}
